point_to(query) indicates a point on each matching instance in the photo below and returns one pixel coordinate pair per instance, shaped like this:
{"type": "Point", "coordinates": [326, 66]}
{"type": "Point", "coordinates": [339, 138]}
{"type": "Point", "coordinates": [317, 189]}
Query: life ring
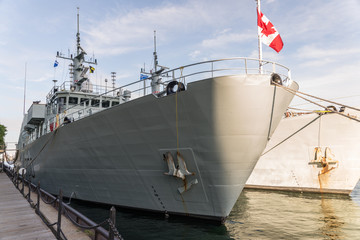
{"type": "Point", "coordinates": [170, 88]}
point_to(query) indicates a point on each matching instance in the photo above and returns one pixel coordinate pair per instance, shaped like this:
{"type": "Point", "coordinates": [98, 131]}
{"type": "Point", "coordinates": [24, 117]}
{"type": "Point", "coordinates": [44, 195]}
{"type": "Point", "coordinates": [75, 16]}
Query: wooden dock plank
{"type": "Point", "coordinates": [17, 219]}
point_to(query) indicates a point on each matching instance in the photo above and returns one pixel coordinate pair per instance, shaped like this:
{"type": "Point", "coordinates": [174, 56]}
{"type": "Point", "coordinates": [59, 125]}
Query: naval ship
{"type": "Point", "coordinates": [178, 141]}
{"type": "Point", "coordinates": [312, 152]}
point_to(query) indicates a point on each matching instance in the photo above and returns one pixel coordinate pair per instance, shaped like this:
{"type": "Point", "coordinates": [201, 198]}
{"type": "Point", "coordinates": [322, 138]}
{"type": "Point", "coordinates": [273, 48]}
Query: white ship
{"type": "Point", "coordinates": [316, 152]}
{"type": "Point", "coordinates": [185, 148]}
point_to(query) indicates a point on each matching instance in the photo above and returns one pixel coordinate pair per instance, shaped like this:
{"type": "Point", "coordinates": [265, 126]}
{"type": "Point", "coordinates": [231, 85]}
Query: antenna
{"type": "Point", "coordinates": [78, 33]}
{"type": "Point", "coordinates": [113, 79]}
{"type": "Point", "coordinates": [155, 54]}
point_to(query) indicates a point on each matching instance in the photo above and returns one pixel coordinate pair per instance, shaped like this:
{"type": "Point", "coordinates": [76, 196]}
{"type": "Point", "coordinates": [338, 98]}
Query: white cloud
{"type": "Point", "coordinates": [133, 30]}
{"type": "Point", "coordinates": [315, 52]}
{"type": "Point", "coordinates": [195, 54]}
{"type": "Point", "coordinates": [224, 39]}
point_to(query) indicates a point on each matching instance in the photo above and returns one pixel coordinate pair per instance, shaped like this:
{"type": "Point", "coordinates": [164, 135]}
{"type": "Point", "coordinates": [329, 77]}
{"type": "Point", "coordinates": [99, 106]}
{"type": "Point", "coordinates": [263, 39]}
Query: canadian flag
{"type": "Point", "coordinates": [268, 33]}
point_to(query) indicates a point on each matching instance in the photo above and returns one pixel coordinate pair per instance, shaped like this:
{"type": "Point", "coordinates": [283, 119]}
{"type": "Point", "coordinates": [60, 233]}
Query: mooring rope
{"type": "Point", "coordinates": [176, 109]}
{"type": "Point", "coordinates": [272, 113]}
{"type": "Point", "coordinates": [41, 149]}
{"type": "Point", "coordinates": [292, 135]}
{"type": "Point", "coordinates": [324, 100]}
{"type": "Point", "coordinates": [327, 108]}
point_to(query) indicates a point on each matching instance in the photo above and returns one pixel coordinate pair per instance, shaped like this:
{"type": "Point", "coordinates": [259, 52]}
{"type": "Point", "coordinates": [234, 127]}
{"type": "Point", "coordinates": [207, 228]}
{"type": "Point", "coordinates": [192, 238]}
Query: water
{"type": "Point", "coordinates": [257, 215]}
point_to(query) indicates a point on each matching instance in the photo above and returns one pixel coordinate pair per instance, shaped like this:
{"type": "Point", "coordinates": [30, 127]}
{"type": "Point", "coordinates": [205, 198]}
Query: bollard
{"type": "Point", "coordinates": [59, 216]}
{"type": "Point", "coordinates": [38, 198]}
{"type": "Point", "coordinates": [112, 221]}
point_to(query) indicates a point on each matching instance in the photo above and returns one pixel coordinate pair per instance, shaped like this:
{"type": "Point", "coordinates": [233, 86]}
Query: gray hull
{"type": "Point", "coordinates": [290, 166]}
{"type": "Point", "coordinates": [116, 156]}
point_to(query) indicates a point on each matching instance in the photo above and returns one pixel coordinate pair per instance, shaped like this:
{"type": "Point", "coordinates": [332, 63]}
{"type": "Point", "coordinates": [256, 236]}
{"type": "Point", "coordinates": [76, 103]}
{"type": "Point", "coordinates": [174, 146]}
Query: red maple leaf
{"type": "Point", "coordinates": [268, 29]}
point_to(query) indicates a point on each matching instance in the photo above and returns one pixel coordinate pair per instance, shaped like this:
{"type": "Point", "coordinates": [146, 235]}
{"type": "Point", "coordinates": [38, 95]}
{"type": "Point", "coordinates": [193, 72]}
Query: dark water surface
{"type": "Point", "coordinates": [257, 215]}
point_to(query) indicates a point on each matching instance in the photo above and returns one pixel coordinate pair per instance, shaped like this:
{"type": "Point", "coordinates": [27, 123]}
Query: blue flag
{"type": "Point", "coordinates": [143, 76]}
{"type": "Point", "coordinates": [56, 63]}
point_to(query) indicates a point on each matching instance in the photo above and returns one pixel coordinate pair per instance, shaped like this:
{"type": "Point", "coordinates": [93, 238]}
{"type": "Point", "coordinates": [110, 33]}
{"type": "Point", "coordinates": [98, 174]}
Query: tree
{"type": "Point", "coordinates": [2, 135]}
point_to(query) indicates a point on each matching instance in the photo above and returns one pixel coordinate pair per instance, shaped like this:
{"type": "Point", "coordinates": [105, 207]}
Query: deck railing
{"type": "Point", "coordinates": [139, 88]}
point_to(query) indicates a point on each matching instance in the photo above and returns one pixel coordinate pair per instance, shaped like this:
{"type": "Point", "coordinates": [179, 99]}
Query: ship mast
{"type": "Point", "coordinates": [156, 80]}
{"type": "Point", "coordinates": [156, 73]}
{"type": "Point", "coordinates": [79, 70]}
{"type": "Point", "coordinates": [78, 34]}
{"type": "Point", "coordinates": [155, 54]}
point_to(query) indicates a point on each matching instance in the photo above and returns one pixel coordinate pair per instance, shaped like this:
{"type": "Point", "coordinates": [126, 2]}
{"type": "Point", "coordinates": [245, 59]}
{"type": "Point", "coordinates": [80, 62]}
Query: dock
{"type": "Point", "coordinates": [17, 219]}
{"type": "Point", "coordinates": [29, 212]}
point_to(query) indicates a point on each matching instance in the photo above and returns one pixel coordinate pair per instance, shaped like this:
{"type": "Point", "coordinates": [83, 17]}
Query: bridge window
{"type": "Point", "coordinates": [114, 103]}
{"type": "Point", "coordinates": [95, 102]}
{"type": "Point", "coordinates": [105, 104]}
{"type": "Point", "coordinates": [73, 100]}
{"type": "Point", "coordinates": [84, 101]}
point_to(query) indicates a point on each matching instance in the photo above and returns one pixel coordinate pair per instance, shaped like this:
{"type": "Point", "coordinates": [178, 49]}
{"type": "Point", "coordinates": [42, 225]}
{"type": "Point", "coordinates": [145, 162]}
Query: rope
{"type": "Point", "coordinates": [42, 149]}
{"type": "Point", "coordinates": [272, 112]}
{"type": "Point", "coordinates": [176, 109]}
{"type": "Point", "coordinates": [324, 100]}
{"type": "Point", "coordinates": [305, 111]}
{"type": "Point", "coordinates": [319, 132]}
{"type": "Point", "coordinates": [291, 135]}
{"type": "Point", "coordinates": [300, 104]}
{"type": "Point", "coordinates": [328, 109]}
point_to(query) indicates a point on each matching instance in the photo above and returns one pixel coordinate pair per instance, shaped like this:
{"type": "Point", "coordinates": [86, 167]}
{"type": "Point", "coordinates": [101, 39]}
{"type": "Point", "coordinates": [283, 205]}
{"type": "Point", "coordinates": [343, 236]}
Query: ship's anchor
{"type": "Point", "coordinates": [179, 171]}
{"type": "Point", "coordinates": [324, 162]}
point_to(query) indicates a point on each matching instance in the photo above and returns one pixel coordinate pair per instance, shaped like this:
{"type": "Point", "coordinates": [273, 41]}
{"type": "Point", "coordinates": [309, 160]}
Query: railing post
{"type": "Point", "coordinates": [246, 66]}
{"type": "Point", "coordinates": [274, 67]}
{"type": "Point", "coordinates": [22, 183]}
{"type": "Point", "coordinates": [38, 198]}
{"type": "Point", "coordinates": [112, 222]}
{"type": "Point", "coordinates": [59, 215]}
{"type": "Point", "coordinates": [29, 185]}
{"type": "Point", "coordinates": [16, 180]}
{"type": "Point", "coordinates": [212, 69]}
{"type": "Point", "coordinates": [11, 171]}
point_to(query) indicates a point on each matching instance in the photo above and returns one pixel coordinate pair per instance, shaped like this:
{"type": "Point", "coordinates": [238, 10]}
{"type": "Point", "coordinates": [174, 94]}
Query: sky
{"type": "Point", "coordinates": [320, 42]}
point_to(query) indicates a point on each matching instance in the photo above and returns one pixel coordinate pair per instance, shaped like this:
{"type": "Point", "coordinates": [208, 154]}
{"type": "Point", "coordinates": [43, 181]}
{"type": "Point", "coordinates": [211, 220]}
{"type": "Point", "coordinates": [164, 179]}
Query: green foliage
{"type": "Point", "coordinates": [2, 135]}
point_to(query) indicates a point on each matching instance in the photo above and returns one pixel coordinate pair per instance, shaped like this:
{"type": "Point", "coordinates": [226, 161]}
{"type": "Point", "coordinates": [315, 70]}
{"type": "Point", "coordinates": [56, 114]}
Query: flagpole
{"type": "Point", "coordinates": [259, 40]}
